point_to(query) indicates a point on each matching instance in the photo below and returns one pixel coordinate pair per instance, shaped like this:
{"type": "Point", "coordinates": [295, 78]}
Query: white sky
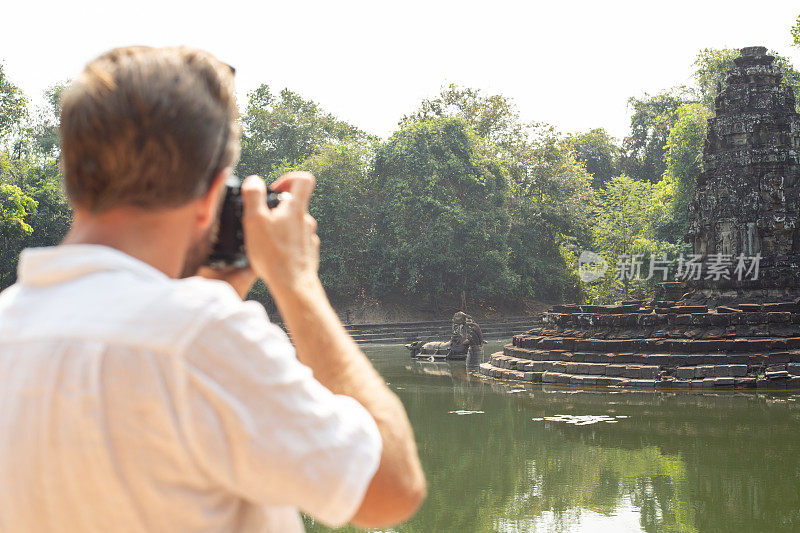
{"type": "Point", "coordinates": [573, 64]}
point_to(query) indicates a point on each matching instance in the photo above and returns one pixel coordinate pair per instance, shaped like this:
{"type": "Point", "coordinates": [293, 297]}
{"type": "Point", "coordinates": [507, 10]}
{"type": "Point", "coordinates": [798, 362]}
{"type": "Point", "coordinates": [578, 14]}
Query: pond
{"type": "Point", "coordinates": [507, 457]}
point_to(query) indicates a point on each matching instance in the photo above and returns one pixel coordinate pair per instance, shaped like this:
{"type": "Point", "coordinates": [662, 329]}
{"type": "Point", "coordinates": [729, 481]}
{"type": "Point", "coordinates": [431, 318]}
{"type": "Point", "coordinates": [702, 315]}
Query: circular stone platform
{"type": "Point", "coordinates": [657, 344]}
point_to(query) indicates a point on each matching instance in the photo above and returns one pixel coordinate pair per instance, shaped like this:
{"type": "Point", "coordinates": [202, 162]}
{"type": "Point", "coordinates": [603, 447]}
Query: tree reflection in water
{"type": "Point", "coordinates": [678, 462]}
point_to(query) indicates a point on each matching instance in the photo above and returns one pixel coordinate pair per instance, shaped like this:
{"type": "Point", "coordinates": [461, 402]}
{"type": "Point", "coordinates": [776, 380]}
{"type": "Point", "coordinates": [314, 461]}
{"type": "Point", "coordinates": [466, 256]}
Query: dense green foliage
{"type": "Point", "coordinates": [280, 132]}
{"type": "Point", "coordinates": [683, 161]}
{"type": "Point", "coordinates": [626, 226]}
{"type": "Point", "coordinates": [34, 211]}
{"type": "Point", "coordinates": [441, 213]}
{"type": "Point", "coordinates": [493, 118]}
{"type": "Point", "coordinates": [552, 211]}
{"type": "Point", "coordinates": [598, 152]}
{"type": "Point", "coordinates": [15, 207]}
{"type": "Point", "coordinates": [550, 198]}
{"type": "Point", "coordinates": [344, 202]}
{"type": "Point", "coordinates": [651, 121]}
{"type": "Point", "coordinates": [464, 201]}
{"type": "Point", "coordinates": [13, 106]}
{"type": "Point", "coordinates": [796, 32]}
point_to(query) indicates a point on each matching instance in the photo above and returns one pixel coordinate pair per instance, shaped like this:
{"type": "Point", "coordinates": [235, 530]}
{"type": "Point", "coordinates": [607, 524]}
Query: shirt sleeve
{"type": "Point", "coordinates": [259, 424]}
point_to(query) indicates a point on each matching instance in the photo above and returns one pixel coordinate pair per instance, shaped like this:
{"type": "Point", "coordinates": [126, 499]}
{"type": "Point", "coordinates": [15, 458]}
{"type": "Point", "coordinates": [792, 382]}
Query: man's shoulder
{"type": "Point", "coordinates": [194, 297]}
{"type": "Point", "coordinates": [119, 308]}
{"type": "Point", "coordinates": [212, 296]}
{"type": "Point", "coordinates": [197, 305]}
{"type": "Point", "coordinates": [189, 305]}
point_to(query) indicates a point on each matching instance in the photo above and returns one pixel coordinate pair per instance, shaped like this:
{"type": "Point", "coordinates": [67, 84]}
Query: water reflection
{"type": "Point", "coordinates": [669, 462]}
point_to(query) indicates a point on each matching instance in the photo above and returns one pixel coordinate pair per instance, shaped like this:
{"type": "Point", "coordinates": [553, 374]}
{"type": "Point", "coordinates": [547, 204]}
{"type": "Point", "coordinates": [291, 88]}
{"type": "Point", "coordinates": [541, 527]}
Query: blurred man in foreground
{"type": "Point", "coordinates": [134, 400]}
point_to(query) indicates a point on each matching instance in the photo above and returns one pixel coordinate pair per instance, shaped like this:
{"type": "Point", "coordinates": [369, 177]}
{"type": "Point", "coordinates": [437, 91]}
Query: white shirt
{"type": "Point", "coordinates": [130, 401]}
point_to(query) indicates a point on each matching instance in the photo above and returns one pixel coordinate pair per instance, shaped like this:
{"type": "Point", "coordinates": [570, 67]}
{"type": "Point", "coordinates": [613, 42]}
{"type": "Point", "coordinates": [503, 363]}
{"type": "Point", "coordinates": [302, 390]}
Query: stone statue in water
{"type": "Point", "coordinates": [475, 343]}
{"type": "Point", "coordinates": [466, 342]}
{"type": "Point", "coordinates": [460, 336]}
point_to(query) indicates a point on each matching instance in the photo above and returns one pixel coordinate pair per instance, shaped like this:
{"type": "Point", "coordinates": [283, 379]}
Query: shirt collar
{"type": "Point", "coordinates": [57, 264]}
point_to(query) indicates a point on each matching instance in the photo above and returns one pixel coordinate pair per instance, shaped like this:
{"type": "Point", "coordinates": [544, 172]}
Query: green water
{"type": "Point", "coordinates": [657, 461]}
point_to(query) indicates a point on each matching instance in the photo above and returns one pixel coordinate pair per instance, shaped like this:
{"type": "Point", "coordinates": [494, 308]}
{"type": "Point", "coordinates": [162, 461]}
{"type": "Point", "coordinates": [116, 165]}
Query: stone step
{"type": "Point", "coordinates": [772, 380]}
{"type": "Point", "coordinates": [440, 335]}
{"type": "Point", "coordinates": [595, 369]}
{"type": "Point", "coordinates": [688, 315]}
{"type": "Point", "coordinates": [669, 344]}
{"type": "Point", "coordinates": [421, 332]}
{"type": "Point", "coordinates": [637, 371]}
{"type": "Point", "coordinates": [659, 344]}
{"type": "Point", "coordinates": [565, 339]}
{"type": "Point", "coordinates": [436, 324]}
{"type": "Point", "coordinates": [386, 334]}
{"type": "Point", "coordinates": [661, 359]}
{"type": "Point", "coordinates": [597, 309]}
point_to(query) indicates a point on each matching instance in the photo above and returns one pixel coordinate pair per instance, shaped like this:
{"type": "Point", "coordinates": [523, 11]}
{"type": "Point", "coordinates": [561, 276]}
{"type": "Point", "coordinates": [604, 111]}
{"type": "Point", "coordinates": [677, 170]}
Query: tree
{"type": "Point", "coordinates": [551, 209]}
{"type": "Point", "coordinates": [652, 118]}
{"type": "Point", "coordinates": [35, 211]}
{"type": "Point", "coordinates": [493, 118]}
{"type": "Point", "coordinates": [44, 130]}
{"type": "Point", "coordinates": [550, 197]}
{"type": "Point", "coordinates": [442, 227]}
{"type": "Point", "coordinates": [343, 206]}
{"type": "Point", "coordinates": [684, 160]}
{"type": "Point", "coordinates": [15, 206]}
{"type": "Point", "coordinates": [623, 229]}
{"type": "Point", "coordinates": [281, 131]}
{"type": "Point", "coordinates": [598, 152]}
{"type": "Point", "coordinates": [796, 32]}
{"type": "Point", "coordinates": [13, 105]}
{"type": "Point", "coordinates": [710, 70]}
{"type": "Point", "coordinates": [50, 223]}
{"type": "Point", "coordinates": [556, 184]}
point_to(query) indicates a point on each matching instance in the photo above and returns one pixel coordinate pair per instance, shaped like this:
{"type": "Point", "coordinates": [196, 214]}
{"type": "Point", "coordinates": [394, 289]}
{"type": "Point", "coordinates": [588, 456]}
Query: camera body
{"type": "Point", "coordinates": [228, 250]}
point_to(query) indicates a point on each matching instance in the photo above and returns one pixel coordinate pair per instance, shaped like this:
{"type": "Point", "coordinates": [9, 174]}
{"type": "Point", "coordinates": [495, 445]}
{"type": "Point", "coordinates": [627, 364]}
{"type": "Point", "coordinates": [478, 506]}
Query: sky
{"type": "Point", "coordinates": [572, 64]}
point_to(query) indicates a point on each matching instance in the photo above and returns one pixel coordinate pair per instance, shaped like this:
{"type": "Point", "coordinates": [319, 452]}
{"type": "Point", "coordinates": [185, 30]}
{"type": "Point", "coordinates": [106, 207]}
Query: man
{"type": "Point", "coordinates": [132, 400]}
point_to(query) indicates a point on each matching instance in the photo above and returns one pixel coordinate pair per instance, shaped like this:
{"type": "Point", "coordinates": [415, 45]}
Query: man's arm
{"type": "Point", "coordinates": [283, 249]}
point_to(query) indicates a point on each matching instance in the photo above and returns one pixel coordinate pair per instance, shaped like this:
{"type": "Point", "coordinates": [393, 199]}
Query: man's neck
{"type": "Point", "coordinates": [158, 238]}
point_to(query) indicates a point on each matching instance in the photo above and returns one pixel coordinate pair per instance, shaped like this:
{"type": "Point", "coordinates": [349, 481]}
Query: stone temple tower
{"type": "Point", "coordinates": [747, 199]}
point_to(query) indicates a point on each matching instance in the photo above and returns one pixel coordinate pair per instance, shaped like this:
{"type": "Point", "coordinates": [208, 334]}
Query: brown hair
{"type": "Point", "coordinates": [147, 127]}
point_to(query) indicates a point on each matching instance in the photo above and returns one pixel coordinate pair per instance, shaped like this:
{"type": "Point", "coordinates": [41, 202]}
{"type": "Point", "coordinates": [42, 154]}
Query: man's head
{"type": "Point", "coordinates": [147, 127]}
{"type": "Point", "coordinates": [147, 132]}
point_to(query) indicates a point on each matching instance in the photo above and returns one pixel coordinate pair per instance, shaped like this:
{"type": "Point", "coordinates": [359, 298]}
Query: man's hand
{"type": "Point", "coordinates": [281, 243]}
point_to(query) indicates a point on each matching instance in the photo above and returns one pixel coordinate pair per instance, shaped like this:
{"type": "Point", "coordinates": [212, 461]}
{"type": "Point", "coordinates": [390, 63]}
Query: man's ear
{"type": "Point", "coordinates": [208, 204]}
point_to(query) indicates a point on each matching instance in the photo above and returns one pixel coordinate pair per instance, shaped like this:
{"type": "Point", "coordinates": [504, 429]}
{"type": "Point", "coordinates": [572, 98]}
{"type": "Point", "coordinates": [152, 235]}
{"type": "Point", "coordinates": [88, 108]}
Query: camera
{"type": "Point", "coordinates": [228, 249]}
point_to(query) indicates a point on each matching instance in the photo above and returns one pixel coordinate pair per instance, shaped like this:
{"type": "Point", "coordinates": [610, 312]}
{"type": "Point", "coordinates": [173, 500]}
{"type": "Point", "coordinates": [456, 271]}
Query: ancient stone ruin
{"type": "Point", "coordinates": [722, 330]}
{"type": "Point", "coordinates": [747, 200]}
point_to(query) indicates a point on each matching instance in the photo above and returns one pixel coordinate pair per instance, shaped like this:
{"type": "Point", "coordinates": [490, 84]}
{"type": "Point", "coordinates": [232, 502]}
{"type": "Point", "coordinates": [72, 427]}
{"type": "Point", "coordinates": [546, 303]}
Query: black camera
{"type": "Point", "coordinates": [228, 250]}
